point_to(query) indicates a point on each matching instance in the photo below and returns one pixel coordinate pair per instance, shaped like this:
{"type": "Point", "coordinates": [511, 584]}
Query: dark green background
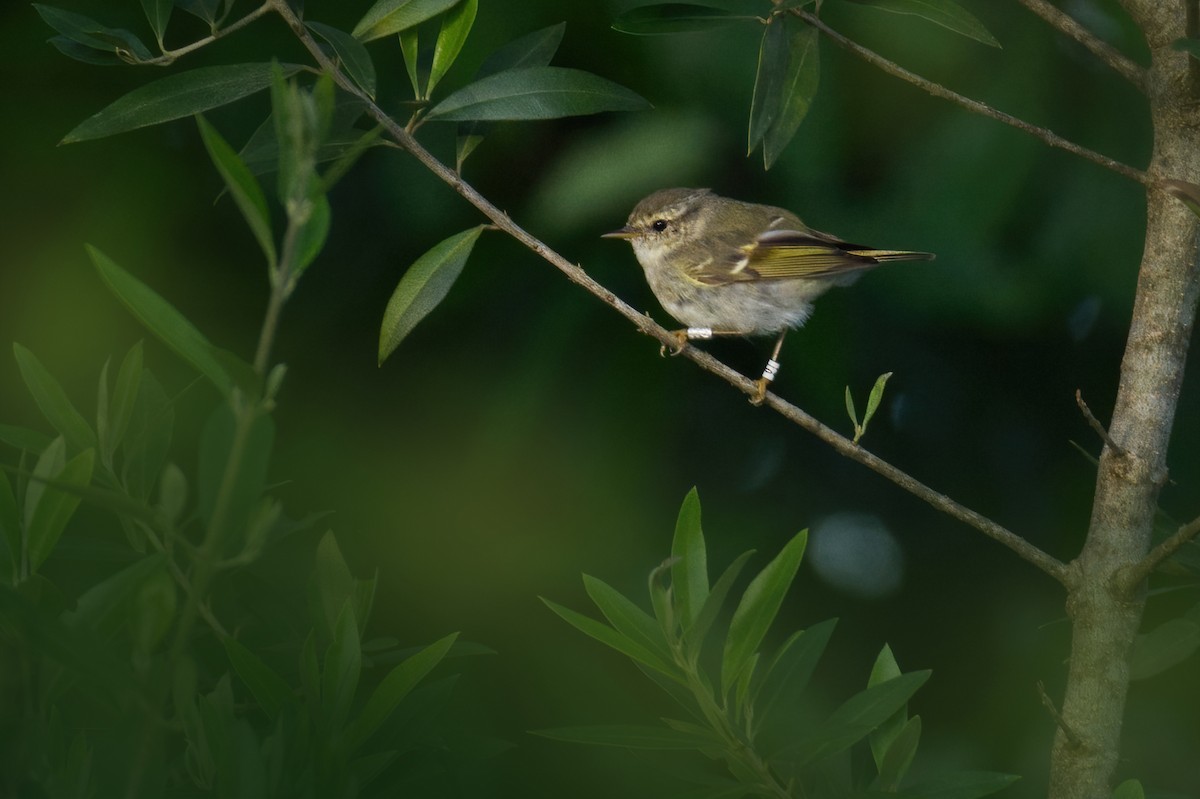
{"type": "Point", "coordinates": [525, 433]}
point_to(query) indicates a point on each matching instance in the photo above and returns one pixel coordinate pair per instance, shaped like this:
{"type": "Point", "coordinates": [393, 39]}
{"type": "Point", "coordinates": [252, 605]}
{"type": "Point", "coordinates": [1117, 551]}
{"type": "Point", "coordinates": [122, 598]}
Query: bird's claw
{"type": "Point", "coordinates": [760, 391]}
{"type": "Point", "coordinates": [681, 339]}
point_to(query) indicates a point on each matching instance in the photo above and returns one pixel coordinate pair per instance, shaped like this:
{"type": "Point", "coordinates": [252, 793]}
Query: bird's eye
{"type": "Point", "coordinates": [659, 225]}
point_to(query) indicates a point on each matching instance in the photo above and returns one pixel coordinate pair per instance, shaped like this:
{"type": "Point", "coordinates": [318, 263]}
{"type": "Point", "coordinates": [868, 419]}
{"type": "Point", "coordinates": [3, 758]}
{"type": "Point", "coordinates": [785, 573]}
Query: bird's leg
{"type": "Point", "coordinates": [682, 337]}
{"type": "Point", "coordinates": [769, 372]}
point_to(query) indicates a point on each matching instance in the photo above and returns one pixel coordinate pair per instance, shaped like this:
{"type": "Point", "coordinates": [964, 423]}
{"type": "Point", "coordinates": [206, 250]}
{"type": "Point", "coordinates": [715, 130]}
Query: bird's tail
{"type": "Point", "coordinates": [892, 255]}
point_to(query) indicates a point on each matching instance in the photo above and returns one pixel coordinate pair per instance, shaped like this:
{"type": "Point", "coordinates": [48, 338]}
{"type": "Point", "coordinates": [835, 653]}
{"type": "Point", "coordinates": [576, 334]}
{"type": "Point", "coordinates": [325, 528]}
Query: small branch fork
{"type": "Point", "coordinates": [1109, 55]}
{"type": "Point", "coordinates": [1095, 424]}
{"type": "Point", "coordinates": [646, 325]}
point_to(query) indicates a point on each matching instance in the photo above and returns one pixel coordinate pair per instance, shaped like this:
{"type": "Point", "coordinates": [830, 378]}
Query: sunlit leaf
{"type": "Point", "coordinates": [535, 93]}
{"type": "Point", "coordinates": [1170, 643]}
{"type": "Point", "coordinates": [398, 684]}
{"type": "Point", "coordinates": [92, 34]}
{"type": "Point", "coordinates": [52, 400]}
{"type": "Point", "coordinates": [610, 637]}
{"type": "Point", "coordinates": [350, 51]}
{"type": "Point", "coordinates": [757, 608]}
{"type": "Point", "coordinates": [625, 616]}
{"type": "Point", "coordinates": [948, 14]}
{"type": "Point", "coordinates": [664, 18]}
{"type": "Point", "coordinates": [423, 287]}
{"type": "Point", "coordinates": [163, 320]}
{"type": "Point", "coordinates": [689, 574]}
{"type": "Point", "coordinates": [628, 735]}
{"type": "Point", "coordinates": [242, 186]}
{"type": "Point", "coordinates": [392, 16]}
{"type": "Point", "coordinates": [456, 25]}
{"type": "Point", "coordinates": [176, 96]}
{"type": "Point", "coordinates": [55, 508]}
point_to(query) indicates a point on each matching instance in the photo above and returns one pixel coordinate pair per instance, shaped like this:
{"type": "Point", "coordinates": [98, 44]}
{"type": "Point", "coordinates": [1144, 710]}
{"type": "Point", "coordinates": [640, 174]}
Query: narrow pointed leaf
{"type": "Point", "coordinates": [886, 668]}
{"type": "Point", "coordinates": [92, 34]}
{"type": "Point", "coordinates": [310, 239]}
{"type": "Point", "coordinates": [88, 55]}
{"type": "Point", "coordinates": [947, 13]}
{"type": "Point", "coordinates": [666, 18]}
{"type": "Point", "coordinates": [875, 398]}
{"type": "Point", "coordinates": [395, 687]}
{"type": "Point", "coordinates": [392, 16]}
{"type": "Point", "coordinates": [343, 664]}
{"type": "Point", "coordinates": [120, 410]}
{"type": "Point", "coordinates": [786, 677]}
{"type": "Point", "coordinates": [625, 616]}
{"type": "Point", "coordinates": [610, 637]}
{"type": "Point", "coordinates": [423, 287]}
{"type": "Point", "coordinates": [158, 14]}
{"type": "Point", "coordinates": [689, 574]}
{"type": "Point", "coordinates": [242, 186]}
{"type": "Point", "coordinates": [894, 763]}
{"type": "Point", "coordinates": [630, 736]}
{"type": "Point", "coordinates": [456, 25]}
{"type": "Point", "coordinates": [49, 464]}
{"type": "Point", "coordinates": [695, 634]}
{"type": "Point", "coordinates": [176, 96]}
{"type": "Point", "coordinates": [410, 47]}
{"type": "Point", "coordinates": [163, 320]}
{"type": "Point", "coordinates": [350, 51]}
{"type": "Point", "coordinates": [1170, 643]}
{"type": "Point", "coordinates": [52, 400]}
{"type": "Point", "coordinates": [758, 607]}
{"type": "Point", "coordinates": [534, 49]}
{"type": "Point", "coordinates": [768, 82]}
{"type": "Point", "coordinates": [850, 408]}
{"type": "Point", "coordinates": [798, 87]}
{"type": "Point", "coordinates": [962, 785]}
{"type": "Point", "coordinates": [1187, 193]}
{"type": "Point", "coordinates": [270, 691]}
{"type": "Point", "coordinates": [23, 438]}
{"type": "Point", "coordinates": [535, 93]}
{"type": "Point", "coordinates": [56, 507]}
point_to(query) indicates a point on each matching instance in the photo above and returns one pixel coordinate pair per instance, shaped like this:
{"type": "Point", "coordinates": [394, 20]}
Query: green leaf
{"type": "Point", "coordinates": [850, 409]}
{"type": "Point", "coordinates": [392, 16]}
{"type": "Point", "coordinates": [343, 664]}
{"type": "Point", "coordinates": [50, 463]}
{"type": "Point", "coordinates": [310, 239]}
{"type": "Point", "coordinates": [884, 669]}
{"type": "Point", "coordinates": [962, 785]}
{"type": "Point", "coordinates": [350, 51]}
{"type": "Point", "coordinates": [10, 529]}
{"type": "Point", "coordinates": [204, 9]}
{"type": "Point", "coordinates": [758, 607]}
{"type": "Point", "coordinates": [270, 691]}
{"type": "Point", "coordinates": [789, 72]}
{"type": "Point", "coordinates": [695, 634]}
{"type": "Point", "coordinates": [531, 50]}
{"type": "Point", "coordinates": [158, 13]}
{"type": "Point", "coordinates": [894, 763]}
{"type": "Point", "coordinates": [242, 185]}
{"type": "Point", "coordinates": [423, 286]}
{"type": "Point", "coordinates": [410, 46]}
{"type": "Point", "coordinates": [948, 14]}
{"type": "Point", "coordinates": [629, 620]}
{"type": "Point", "coordinates": [332, 585]}
{"type": "Point", "coordinates": [631, 736]}
{"type": "Point", "coordinates": [1129, 789]}
{"type": "Point", "coordinates": [788, 674]}
{"type": "Point", "coordinates": [666, 18]}
{"type": "Point", "coordinates": [610, 637]}
{"type": "Point", "coordinates": [172, 489]}
{"type": "Point", "coordinates": [1170, 643]}
{"type": "Point", "coordinates": [120, 410]}
{"type": "Point", "coordinates": [56, 506]}
{"type": "Point", "coordinates": [52, 401]}
{"type": "Point", "coordinates": [535, 93]}
{"type": "Point", "coordinates": [148, 438]}
{"type": "Point", "coordinates": [174, 97]}
{"type": "Point", "coordinates": [456, 25]}
{"type": "Point", "coordinates": [689, 574]}
{"type": "Point", "coordinates": [875, 398]}
{"type": "Point", "coordinates": [349, 154]}
{"type": "Point", "coordinates": [232, 470]}
{"type": "Point", "coordinates": [81, 52]}
{"type": "Point", "coordinates": [152, 611]}
{"type": "Point", "coordinates": [857, 716]}
{"type": "Point", "coordinates": [310, 672]}
{"type": "Point", "coordinates": [161, 319]}
{"type": "Point", "coordinates": [105, 607]}
{"type": "Point", "coordinates": [23, 438]}
{"type": "Point", "coordinates": [89, 33]}
{"type": "Point", "coordinates": [395, 687]}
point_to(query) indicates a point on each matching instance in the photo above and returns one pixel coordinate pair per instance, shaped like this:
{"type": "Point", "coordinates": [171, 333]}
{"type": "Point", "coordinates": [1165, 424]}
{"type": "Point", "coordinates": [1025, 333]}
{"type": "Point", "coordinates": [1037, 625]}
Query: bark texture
{"type": "Point", "coordinates": [1105, 609]}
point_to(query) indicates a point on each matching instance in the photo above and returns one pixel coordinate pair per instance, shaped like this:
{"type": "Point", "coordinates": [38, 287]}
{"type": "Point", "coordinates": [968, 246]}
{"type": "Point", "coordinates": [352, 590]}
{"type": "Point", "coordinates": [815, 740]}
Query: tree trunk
{"type": "Point", "coordinates": [1104, 609]}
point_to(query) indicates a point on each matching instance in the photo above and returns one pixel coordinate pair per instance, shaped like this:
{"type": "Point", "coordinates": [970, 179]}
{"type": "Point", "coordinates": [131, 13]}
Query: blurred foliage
{"type": "Point", "coordinates": [521, 434]}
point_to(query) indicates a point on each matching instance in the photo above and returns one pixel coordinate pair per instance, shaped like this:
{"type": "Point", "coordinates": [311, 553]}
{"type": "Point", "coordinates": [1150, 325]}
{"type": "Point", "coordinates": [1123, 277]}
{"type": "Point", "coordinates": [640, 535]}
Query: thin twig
{"type": "Point", "coordinates": [938, 90]}
{"type": "Point", "coordinates": [1095, 423]}
{"type": "Point", "coordinates": [1072, 737]}
{"type": "Point", "coordinates": [648, 326]}
{"type": "Point", "coordinates": [1142, 569]}
{"type": "Point", "coordinates": [169, 57]}
{"type": "Point", "coordinates": [1111, 56]}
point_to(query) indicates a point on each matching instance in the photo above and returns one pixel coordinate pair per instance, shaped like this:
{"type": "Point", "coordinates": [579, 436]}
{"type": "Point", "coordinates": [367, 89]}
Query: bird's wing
{"type": "Point", "coordinates": [783, 254]}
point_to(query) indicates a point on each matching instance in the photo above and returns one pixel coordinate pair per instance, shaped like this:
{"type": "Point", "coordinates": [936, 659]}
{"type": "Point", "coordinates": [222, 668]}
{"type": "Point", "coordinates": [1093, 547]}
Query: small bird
{"type": "Point", "coordinates": [729, 268]}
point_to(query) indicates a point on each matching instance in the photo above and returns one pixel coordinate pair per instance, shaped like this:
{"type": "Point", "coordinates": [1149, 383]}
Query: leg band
{"type": "Point", "coordinates": [699, 332]}
{"type": "Point", "coordinates": [771, 369]}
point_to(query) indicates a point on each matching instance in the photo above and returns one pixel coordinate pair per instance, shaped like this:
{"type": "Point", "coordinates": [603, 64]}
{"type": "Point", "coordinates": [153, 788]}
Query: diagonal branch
{"type": "Point", "coordinates": [1111, 56]}
{"type": "Point", "coordinates": [938, 90]}
{"type": "Point", "coordinates": [648, 326]}
{"type": "Point", "coordinates": [1141, 570]}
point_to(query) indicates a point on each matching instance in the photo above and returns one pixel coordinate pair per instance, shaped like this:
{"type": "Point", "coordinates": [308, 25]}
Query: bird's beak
{"type": "Point", "coordinates": [624, 233]}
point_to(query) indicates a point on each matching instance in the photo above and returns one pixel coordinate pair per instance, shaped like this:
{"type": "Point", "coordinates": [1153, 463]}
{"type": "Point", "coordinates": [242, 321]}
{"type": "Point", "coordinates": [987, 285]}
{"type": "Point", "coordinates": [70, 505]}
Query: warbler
{"type": "Point", "coordinates": [729, 268]}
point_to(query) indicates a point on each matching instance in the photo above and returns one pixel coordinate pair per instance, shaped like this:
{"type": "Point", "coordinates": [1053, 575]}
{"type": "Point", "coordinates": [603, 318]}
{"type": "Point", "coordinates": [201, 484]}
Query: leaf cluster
{"type": "Point", "coordinates": [744, 703]}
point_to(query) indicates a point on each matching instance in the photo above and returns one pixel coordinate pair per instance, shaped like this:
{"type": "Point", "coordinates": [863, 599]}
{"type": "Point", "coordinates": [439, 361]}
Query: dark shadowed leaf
{"type": "Point", "coordinates": [332, 585]}
{"type": "Point", "coordinates": [395, 687]}
{"type": "Point", "coordinates": [158, 14]}
{"type": "Point", "coordinates": [1170, 643]}
{"type": "Point", "coordinates": [894, 763]}
{"type": "Point", "coordinates": [92, 34]}
{"type": "Point", "coordinates": [625, 616]}
{"type": "Point", "coordinates": [961, 785]}
{"type": "Point", "coordinates": [757, 608]}
{"type": "Point", "coordinates": [176, 96]}
{"type": "Point", "coordinates": [667, 18]}
{"type": "Point", "coordinates": [610, 637]}
{"type": "Point", "coordinates": [689, 573]}
{"type": "Point", "coordinates": [788, 673]}
{"type": "Point", "coordinates": [56, 506]}
{"type": "Point", "coordinates": [884, 669]}
{"type": "Point", "coordinates": [52, 401]}
{"type": "Point", "coordinates": [234, 457]}
{"type": "Point", "coordinates": [23, 438]}
{"type": "Point", "coordinates": [628, 735]}
{"type": "Point", "coordinates": [80, 52]}
{"type": "Point", "coordinates": [695, 634]}
{"type": "Point", "coordinates": [163, 320]}
{"type": "Point", "coordinates": [342, 666]}
{"type": "Point", "coordinates": [242, 186]}
{"type": "Point", "coordinates": [948, 14]}
{"type": "Point", "coordinates": [423, 287]}
{"type": "Point", "coordinates": [149, 436]}
{"type": "Point", "coordinates": [788, 76]}
{"type": "Point", "coordinates": [1189, 46]}
{"type": "Point", "coordinates": [269, 689]}
{"type": "Point", "coordinates": [531, 50]}
{"type": "Point", "coordinates": [535, 93]}
{"type": "Point", "coordinates": [456, 25]}
{"type": "Point", "coordinates": [350, 51]}
{"type": "Point", "coordinates": [10, 530]}
{"type": "Point", "coordinates": [392, 16]}
{"type": "Point", "coordinates": [204, 9]}
{"type": "Point", "coordinates": [120, 409]}
{"type": "Point", "coordinates": [1129, 789]}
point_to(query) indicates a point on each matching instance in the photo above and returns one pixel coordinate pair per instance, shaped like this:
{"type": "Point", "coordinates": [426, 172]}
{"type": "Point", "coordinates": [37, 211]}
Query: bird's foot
{"type": "Point", "coordinates": [681, 339]}
{"type": "Point", "coordinates": [760, 385]}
